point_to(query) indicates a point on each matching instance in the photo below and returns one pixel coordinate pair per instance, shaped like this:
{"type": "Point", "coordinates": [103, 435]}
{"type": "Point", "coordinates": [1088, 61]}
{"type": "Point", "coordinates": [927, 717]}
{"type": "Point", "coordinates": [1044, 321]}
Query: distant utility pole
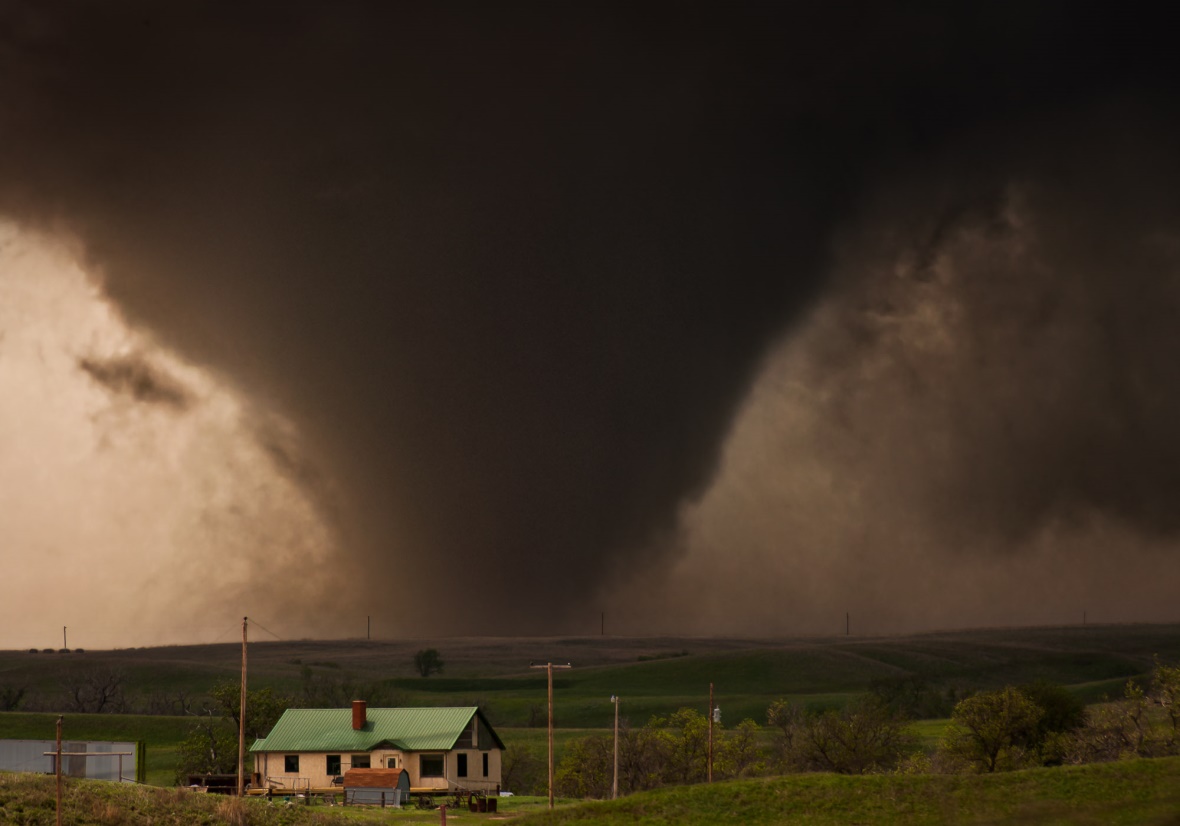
{"type": "Point", "coordinates": [64, 644]}
{"type": "Point", "coordinates": [549, 669]}
{"type": "Point", "coordinates": [242, 719]}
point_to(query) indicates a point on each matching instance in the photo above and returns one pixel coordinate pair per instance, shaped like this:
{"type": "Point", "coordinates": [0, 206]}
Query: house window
{"type": "Point", "coordinates": [291, 763]}
{"type": "Point", "coordinates": [333, 765]}
{"type": "Point", "coordinates": [461, 765]}
{"type": "Point", "coordinates": [360, 761]}
{"type": "Point", "coordinates": [430, 765]}
{"type": "Point", "coordinates": [391, 763]}
{"type": "Point", "coordinates": [485, 764]}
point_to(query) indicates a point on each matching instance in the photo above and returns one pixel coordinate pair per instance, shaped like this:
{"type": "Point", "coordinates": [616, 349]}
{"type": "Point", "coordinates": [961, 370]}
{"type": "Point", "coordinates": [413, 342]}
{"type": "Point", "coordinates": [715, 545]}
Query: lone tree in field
{"type": "Point", "coordinates": [427, 661]}
{"type": "Point", "coordinates": [995, 730]}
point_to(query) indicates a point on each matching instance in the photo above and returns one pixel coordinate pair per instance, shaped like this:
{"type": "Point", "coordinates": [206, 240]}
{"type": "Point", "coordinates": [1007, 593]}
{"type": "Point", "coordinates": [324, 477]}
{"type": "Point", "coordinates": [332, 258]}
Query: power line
{"type": "Point", "coordinates": [258, 624]}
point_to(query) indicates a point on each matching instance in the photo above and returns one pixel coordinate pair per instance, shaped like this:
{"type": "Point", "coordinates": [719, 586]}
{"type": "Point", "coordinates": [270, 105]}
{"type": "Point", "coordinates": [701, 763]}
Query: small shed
{"type": "Point", "coordinates": [376, 787]}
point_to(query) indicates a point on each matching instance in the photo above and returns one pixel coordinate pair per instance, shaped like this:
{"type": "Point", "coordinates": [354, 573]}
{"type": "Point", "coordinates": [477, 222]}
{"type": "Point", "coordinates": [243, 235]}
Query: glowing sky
{"type": "Point", "coordinates": [139, 510]}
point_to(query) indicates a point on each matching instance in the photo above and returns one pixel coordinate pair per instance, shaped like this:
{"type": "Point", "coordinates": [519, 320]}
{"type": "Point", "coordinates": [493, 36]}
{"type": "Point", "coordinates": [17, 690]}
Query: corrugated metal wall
{"type": "Point", "coordinates": [29, 756]}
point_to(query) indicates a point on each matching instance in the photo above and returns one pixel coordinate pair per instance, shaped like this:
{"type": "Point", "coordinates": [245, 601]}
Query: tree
{"type": "Point", "coordinates": [1062, 713]}
{"type": "Point", "coordinates": [864, 736]}
{"type": "Point", "coordinates": [335, 691]}
{"type": "Point", "coordinates": [1131, 727]}
{"type": "Point", "coordinates": [94, 690]}
{"type": "Point", "coordinates": [913, 697]}
{"type": "Point", "coordinates": [1165, 693]}
{"type": "Point", "coordinates": [738, 754]}
{"type": "Point", "coordinates": [587, 769]}
{"type": "Point", "coordinates": [428, 661]}
{"type": "Point", "coordinates": [995, 730]}
{"type": "Point", "coordinates": [643, 756]}
{"type": "Point", "coordinates": [523, 771]}
{"type": "Point", "coordinates": [211, 746]}
{"type": "Point", "coordinates": [788, 720]}
{"type": "Point", "coordinates": [687, 736]}
{"type": "Point", "coordinates": [263, 707]}
{"type": "Point", "coordinates": [1113, 731]}
{"type": "Point", "coordinates": [11, 696]}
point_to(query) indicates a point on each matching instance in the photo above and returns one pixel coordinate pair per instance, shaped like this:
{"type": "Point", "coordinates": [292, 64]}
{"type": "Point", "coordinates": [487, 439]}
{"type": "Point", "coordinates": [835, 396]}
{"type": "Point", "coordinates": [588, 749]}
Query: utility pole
{"type": "Point", "coordinates": [64, 644]}
{"type": "Point", "coordinates": [614, 786]}
{"type": "Point", "coordinates": [711, 716]}
{"type": "Point", "coordinates": [242, 719]}
{"type": "Point", "coordinates": [549, 669]}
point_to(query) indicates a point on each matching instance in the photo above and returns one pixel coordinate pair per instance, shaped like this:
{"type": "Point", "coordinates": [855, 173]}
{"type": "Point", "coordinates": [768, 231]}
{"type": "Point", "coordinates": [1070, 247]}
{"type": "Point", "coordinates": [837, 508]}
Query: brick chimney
{"type": "Point", "coordinates": [358, 714]}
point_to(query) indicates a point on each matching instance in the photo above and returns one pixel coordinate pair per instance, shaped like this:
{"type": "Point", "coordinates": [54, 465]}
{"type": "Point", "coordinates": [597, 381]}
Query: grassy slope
{"type": "Point", "coordinates": [29, 799]}
{"type": "Point", "coordinates": [1132, 792]}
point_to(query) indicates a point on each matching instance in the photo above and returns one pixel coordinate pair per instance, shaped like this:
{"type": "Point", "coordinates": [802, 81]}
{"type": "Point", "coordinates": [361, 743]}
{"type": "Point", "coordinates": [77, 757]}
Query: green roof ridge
{"type": "Point", "coordinates": [406, 729]}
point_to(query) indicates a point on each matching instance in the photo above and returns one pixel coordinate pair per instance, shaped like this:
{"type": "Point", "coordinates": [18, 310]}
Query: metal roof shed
{"type": "Point", "coordinates": [376, 787]}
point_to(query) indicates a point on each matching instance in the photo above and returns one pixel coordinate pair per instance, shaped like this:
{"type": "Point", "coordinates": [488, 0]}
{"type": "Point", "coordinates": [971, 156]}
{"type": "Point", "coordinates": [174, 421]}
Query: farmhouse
{"type": "Point", "coordinates": [440, 749]}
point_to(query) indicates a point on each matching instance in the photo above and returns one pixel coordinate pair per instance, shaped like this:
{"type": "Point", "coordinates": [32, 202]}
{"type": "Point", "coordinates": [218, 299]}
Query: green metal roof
{"type": "Point", "coordinates": [407, 729]}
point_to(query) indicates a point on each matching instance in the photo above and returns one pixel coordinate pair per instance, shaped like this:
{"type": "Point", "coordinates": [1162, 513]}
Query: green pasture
{"type": "Point", "coordinates": [1129, 792]}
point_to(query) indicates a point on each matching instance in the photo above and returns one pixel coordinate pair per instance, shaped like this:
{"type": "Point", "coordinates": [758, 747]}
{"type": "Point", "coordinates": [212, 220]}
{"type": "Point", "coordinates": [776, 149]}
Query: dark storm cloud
{"type": "Point", "coordinates": [1024, 347]}
{"type": "Point", "coordinates": [134, 376]}
{"type": "Point", "coordinates": [510, 267]}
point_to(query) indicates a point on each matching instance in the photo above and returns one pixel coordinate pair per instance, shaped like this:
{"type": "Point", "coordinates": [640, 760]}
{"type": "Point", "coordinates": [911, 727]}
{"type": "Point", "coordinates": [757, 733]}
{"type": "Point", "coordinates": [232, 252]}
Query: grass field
{"type": "Point", "coordinates": [1131, 792]}
{"type": "Point", "coordinates": [29, 800]}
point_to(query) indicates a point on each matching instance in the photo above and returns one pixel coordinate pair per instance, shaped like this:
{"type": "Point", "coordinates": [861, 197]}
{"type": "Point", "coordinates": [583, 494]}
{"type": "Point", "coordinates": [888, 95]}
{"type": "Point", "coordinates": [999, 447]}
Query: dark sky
{"type": "Point", "coordinates": [513, 268]}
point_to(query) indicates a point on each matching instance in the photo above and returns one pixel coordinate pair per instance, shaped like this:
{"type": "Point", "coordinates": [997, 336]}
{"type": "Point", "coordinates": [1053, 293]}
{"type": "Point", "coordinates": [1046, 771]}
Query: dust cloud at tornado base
{"type": "Point", "coordinates": [975, 426]}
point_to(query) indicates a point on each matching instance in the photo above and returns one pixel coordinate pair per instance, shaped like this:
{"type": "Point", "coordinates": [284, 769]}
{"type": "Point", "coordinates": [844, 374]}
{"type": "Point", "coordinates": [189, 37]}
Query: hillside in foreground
{"type": "Point", "coordinates": [1129, 792]}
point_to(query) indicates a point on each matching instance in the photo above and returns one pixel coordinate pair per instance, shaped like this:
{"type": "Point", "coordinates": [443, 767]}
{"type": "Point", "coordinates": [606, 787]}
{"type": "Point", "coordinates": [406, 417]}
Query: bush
{"type": "Point", "coordinates": [1145, 723]}
{"type": "Point", "coordinates": [863, 737]}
